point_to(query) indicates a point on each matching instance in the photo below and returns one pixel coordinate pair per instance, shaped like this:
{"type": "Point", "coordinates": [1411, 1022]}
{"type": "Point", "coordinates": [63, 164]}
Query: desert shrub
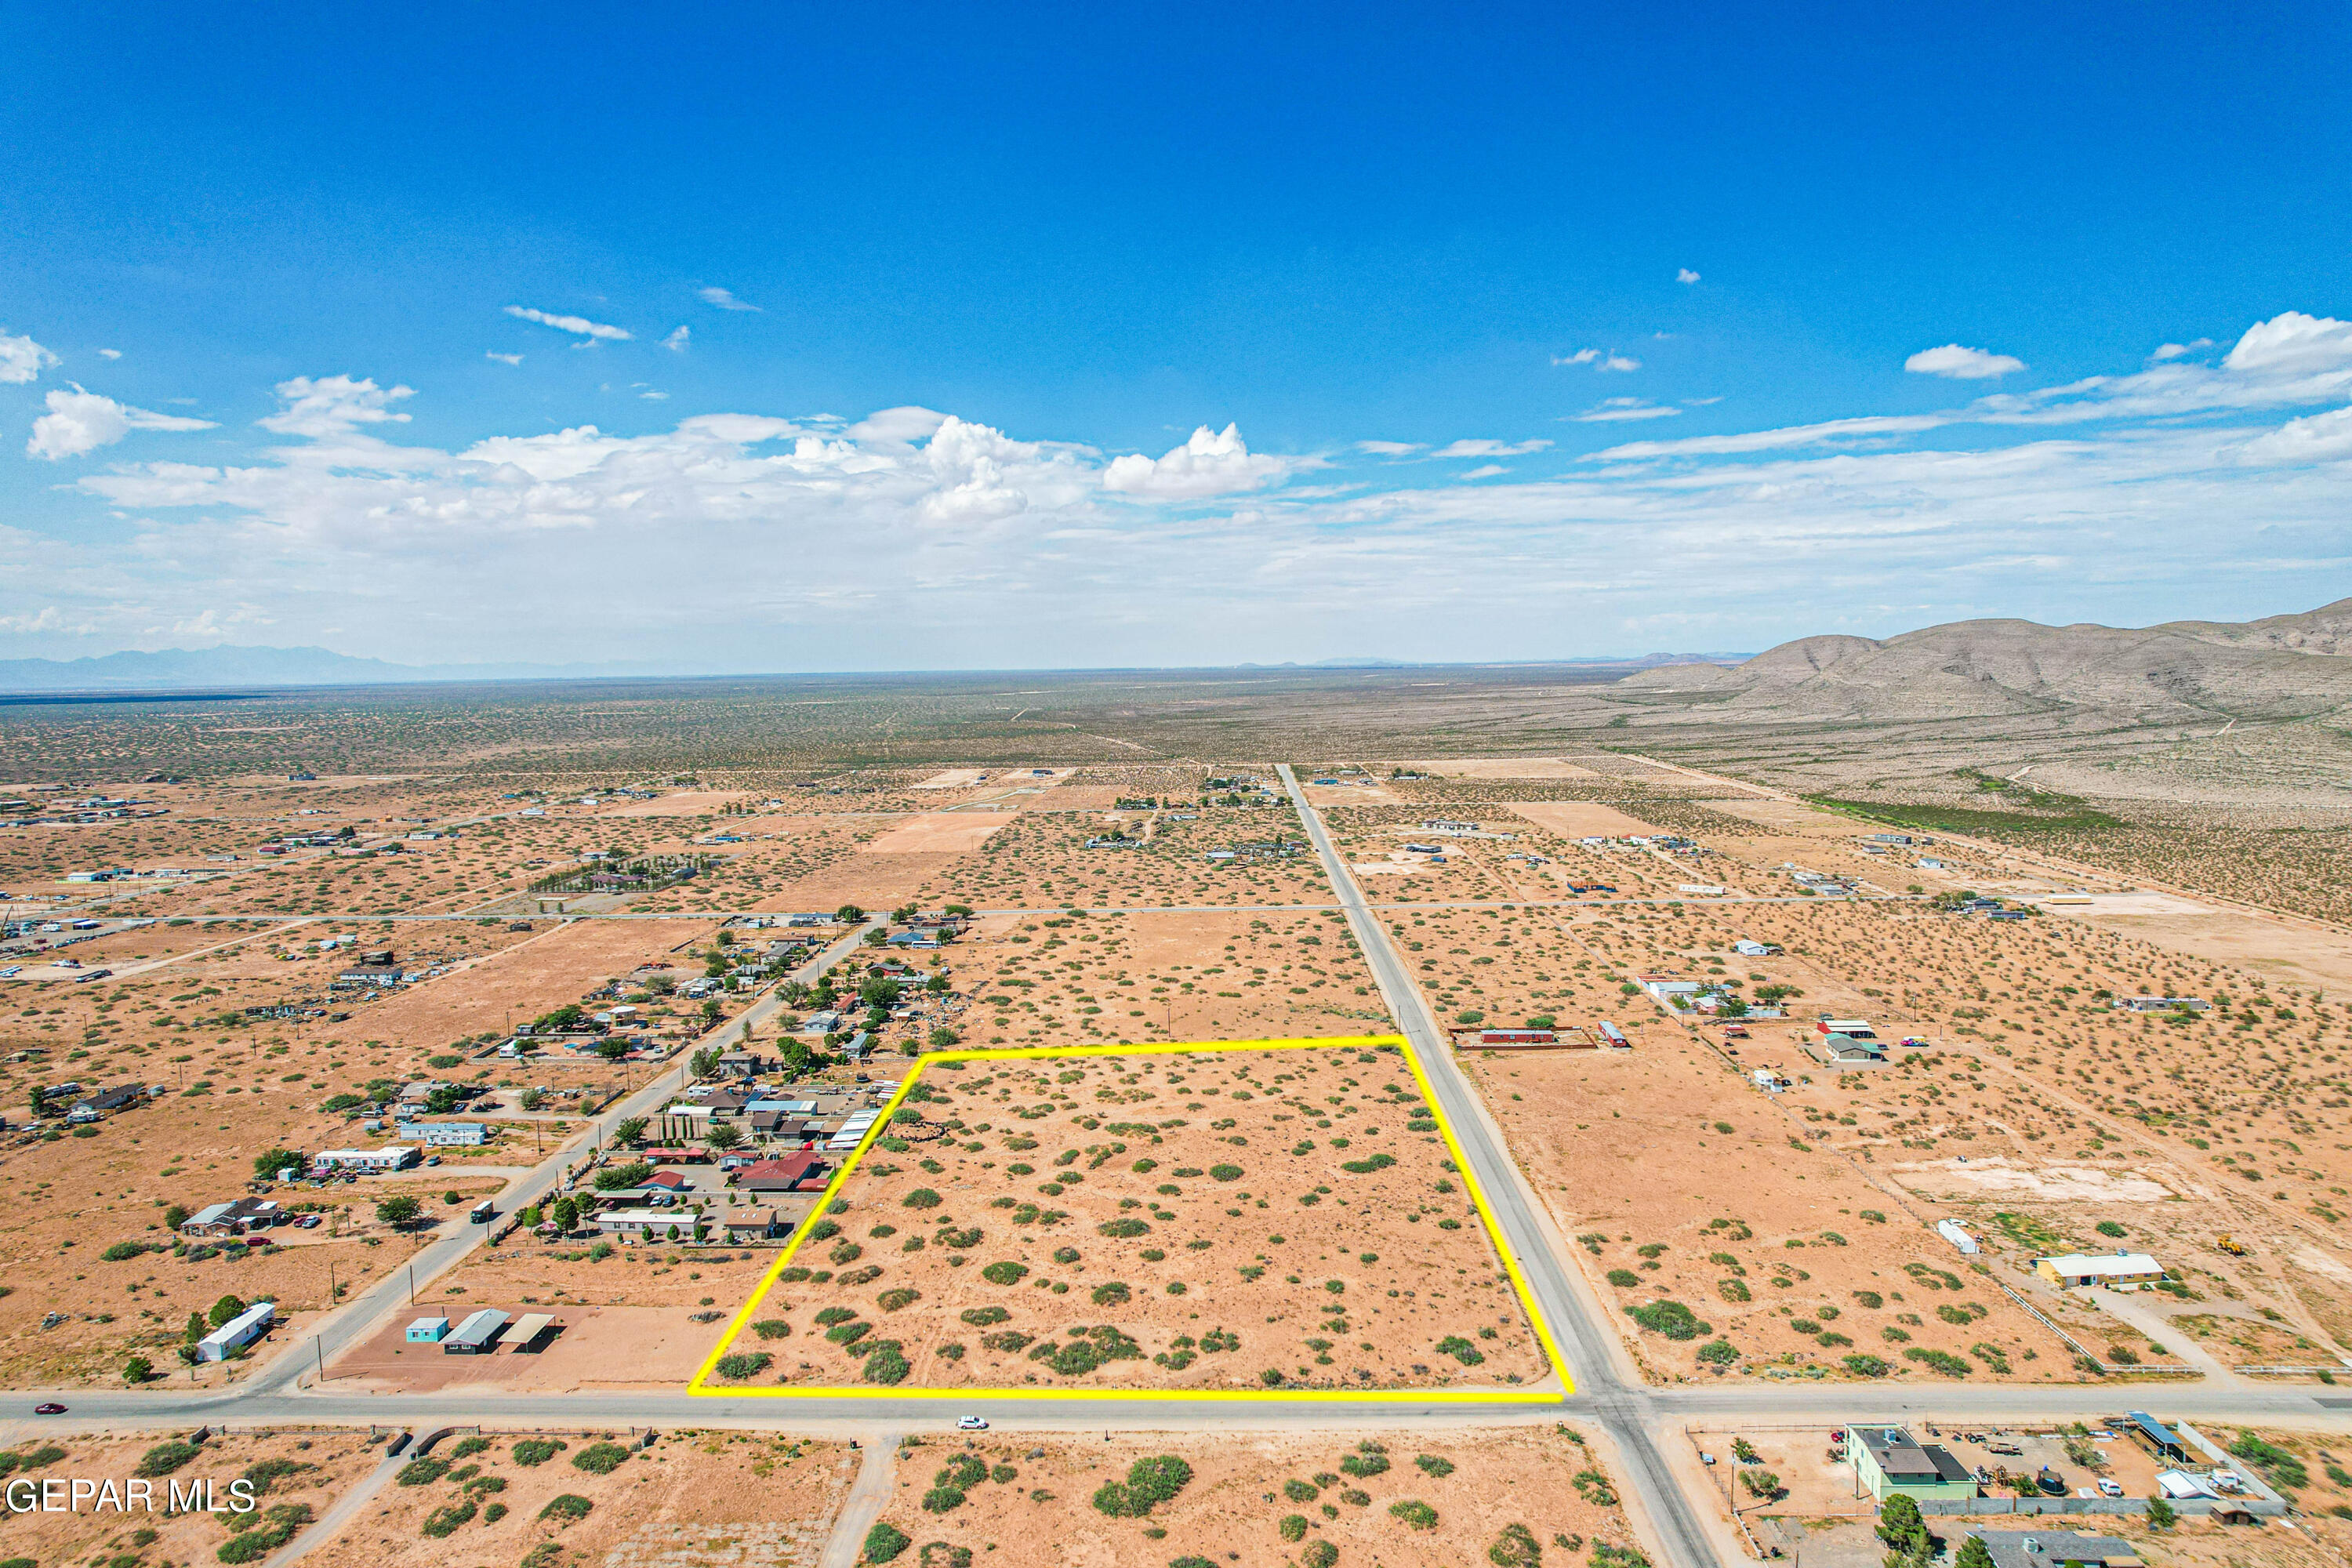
{"type": "Point", "coordinates": [122, 1252]}
{"type": "Point", "coordinates": [962, 1471]}
{"type": "Point", "coordinates": [1363, 1467]}
{"type": "Point", "coordinates": [1318, 1555]}
{"type": "Point", "coordinates": [1430, 1465]}
{"type": "Point", "coordinates": [1866, 1366]}
{"type": "Point", "coordinates": [833, 1315]}
{"type": "Point", "coordinates": [164, 1458]}
{"type": "Point", "coordinates": [423, 1472]}
{"type": "Point", "coordinates": [1292, 1527]}
{"type": "Point", "coordinates": [600, 1458]}
{"type": "Point", "coordinates": [744, 1365]}
{"type": "Point", "coordinates": [848, 1334]}
{"type": "Point", "coordinates": [1870, 1299]}
{"type": "Point", "coordinates": [887, 1364]}
{"type": "Point", "coordinates": [922, 1198]}
{"type": "Point", "coordinates": [1718, 1352]}
{"type": "Point", "coordinates": [1004, 1475]}
{"type": "Point", "coordinates": [1122, 1227]}
{"type": "Point", "coordinates": [894, 1301]}
{"type": "Point", "coordinates": [1004, 1273]}
{"type": "Point", "coordinates": [263, 1473]}
{"type": "Point", "coordinates": [272, 1531]}
{"type": "Point", "coordinates": [1149, 1482]}
{"type": "Point", "coordinates": [1623, 1278]}
{"type": "Point", "coordinates": [1005, 1341]}
{"type": "Point", "coordinates": [443, 1522]}
{"type": "Point", "coordinates": [1301, 1492]}
{"type": "Point", "coordinates": [1516, 1547]}
{"type": "Point", "coordinates": [1224, 1172]}
{"type": "Point", "coordinates": [773, 1328]}
{"type": "Point", "coordinates": [1416, 1514]}
{"type": "Point", "coordinates": [1363, 1167]}
{"type": "Point", "coordinates": [1944, 1362]}
{"type": "Point", "coordinates": [943, 1500]}
{"type": "Point", "coordinates": [1113, 1294]}
{"type": "Point", "coordinates": [982, 1317]}
{"type": "Point", "coordinates": [466, 1448]}
{"type": "Point", "coordinates": [566, 1507]}
{"type": "Point", "coordinates": [1461, 1350]}
{"type": "Point", "coordinates": [536, 1450]}
{"type": "Point", "coordinates": [1671, 1318]}
{"type": "Point", "coordinates": [884, 1543]}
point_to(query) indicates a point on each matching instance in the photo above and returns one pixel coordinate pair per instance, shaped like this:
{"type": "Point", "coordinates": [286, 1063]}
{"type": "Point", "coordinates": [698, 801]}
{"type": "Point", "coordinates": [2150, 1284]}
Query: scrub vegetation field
{"type": "Point", "coordinates": [1259, 1219]}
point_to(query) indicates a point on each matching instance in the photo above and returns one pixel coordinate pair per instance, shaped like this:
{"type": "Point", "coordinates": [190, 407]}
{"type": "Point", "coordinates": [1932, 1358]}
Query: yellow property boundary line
{"type": "Point", "coordinates": [1331, 1043]}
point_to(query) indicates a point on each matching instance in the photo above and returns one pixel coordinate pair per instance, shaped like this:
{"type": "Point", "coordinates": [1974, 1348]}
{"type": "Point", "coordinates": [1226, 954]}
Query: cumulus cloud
{"type": "Point", "coordinates": [1387, 449]}
{"type": "Point", "coordinates": [675, 342]}
{"type": "Point", "coordinates": [1485, 448]}
{"type": "Point", "coordinates": [1484, 471]}
{"type": "Point", "coordinates": [1614, 409]}
{"type": "Point", "coordinates": [502, 359]}
{"type": "Point", "coordinates": [1685, 275]}
{"type": "Point", "coordinates": [724, 298]}
{"type": "Point", "coordinates": [2291, 343]}
{"type": "Point", "coordinates": [333, 405]}
{"type": "Point", "coordinates": [110, 353]}
{"type": "Point", "coordinates": [79, 422]}
{"type": "Point", "coordinates": [1209, 464]}
{"type": "Point", "coordinates": [2315, 439]}
{"type": "Point", "coordinates": [1581, 356]}
{"type": "Point", "coordinates": [1961, 364]}
{"type": "Point", "coordinates": [587, 331]}
{"type": "Point", "coordinates": [22, 359]}
{"type": "Point", "coordinates": [1620, 361]}
{"type": "Point", "coordinates": [2175, 351]}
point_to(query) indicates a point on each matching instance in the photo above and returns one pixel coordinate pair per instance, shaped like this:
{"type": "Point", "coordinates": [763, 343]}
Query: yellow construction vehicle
{"type": "Point", "coordinates": [2231, 1245]}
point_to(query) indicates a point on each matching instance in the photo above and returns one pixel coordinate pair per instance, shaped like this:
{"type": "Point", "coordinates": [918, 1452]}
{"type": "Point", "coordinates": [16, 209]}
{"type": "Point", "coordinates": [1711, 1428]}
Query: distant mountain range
{"type": "Point", "coordinates": [2282, 666]}
{"type": "Point", "coordinates": [184, 669]}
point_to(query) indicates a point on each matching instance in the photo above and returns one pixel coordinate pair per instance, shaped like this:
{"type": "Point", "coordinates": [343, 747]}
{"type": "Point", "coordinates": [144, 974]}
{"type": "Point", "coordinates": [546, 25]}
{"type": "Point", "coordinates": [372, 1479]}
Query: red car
{"type": "Point", "coordinates": [52, 1408]}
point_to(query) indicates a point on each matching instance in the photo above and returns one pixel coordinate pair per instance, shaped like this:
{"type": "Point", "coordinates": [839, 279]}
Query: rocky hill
{"type": "Point", "coordinates": [2282, 666]}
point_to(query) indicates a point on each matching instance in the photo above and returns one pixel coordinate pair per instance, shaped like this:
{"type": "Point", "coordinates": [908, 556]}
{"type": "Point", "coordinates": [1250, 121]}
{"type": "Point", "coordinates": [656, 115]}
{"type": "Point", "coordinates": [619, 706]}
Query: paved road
{"type": "Point", "coordinates": [304, 1356]}
{"type": "Point", "coordinates": [1680, 1531]}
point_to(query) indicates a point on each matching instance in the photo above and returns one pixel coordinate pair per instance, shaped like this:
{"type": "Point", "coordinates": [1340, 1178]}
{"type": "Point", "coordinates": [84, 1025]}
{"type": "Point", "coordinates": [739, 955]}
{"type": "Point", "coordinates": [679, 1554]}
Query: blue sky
{"type": "Point", "coordinates": [1510, 315]}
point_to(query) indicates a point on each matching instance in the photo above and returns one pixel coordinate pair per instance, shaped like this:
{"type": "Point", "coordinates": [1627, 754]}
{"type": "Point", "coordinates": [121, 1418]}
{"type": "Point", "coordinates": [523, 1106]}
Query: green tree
{"type": "Point", "coordinates": [175, 1216]}
{"type": "Point", "coordinates": [567, 1212]}
{"type": "Point", "coordinates": [1973, 1554]}
{"type": "Point", "coordinates": [724, 1135]}
{"type": "Point", "coordinates": [849, 914]}
{"type": "Point", "coordinates": [2161, 1515]}
{"type": "Point", "coordinates": [632, 1129]}
{"type": "Point", "coordinates": [226, 1307]}
{"type": "Point", "coordinates": [710, 1010]}
{"type": "Point", "coordinates": [398, 1211]}
{"type": "Point", "coordinates": [1900, 1526]}
{"type": "Point", "coordinates": [195, 1330]}
{"type": "Point", "coordinates": [613, 1047]}
{"type": "Point", "coordinates": [266, 1166]}
{"type": "Point", "coordinates": [138, 1370]}
{"type": "Point", "coordinates": [705, 1061]}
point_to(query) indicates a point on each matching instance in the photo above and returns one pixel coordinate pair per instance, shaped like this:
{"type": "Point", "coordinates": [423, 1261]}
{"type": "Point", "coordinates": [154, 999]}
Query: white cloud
{"type": "Point", "coordinates": [1620, 361]}
{"type": "Point", "coordinates": [502, 359]}
{"type": "Point", "coordinates": [1484, 471]}
{"type": "Point", "coordinates": [655, 396]}
{"type": "Point", "coordinates": [2174, 350]}
{"type": "Point", "coordinates": [1961, 364]}
{"type": "Point", "coordinates": [1581, 356]}
{"type": "Point", "coordinates": [675, 342]}
{"type": "Point", "coordinates": [1614, 409]}
{"type": "Point", "coordinates": [590, 332]}
{"type": "Point", "coordinates": [22, 359]}
{"type": "Point", "coordinates": [2291, 343]}
{"type": "Point", "coordinates": [1477, 447]}
{"type": "Point", "coordinates": [1209, 464]}
{"type": "Point", "coordinates": [1387, 449]}
{"type": "Point", "coordinates": [2315, 439]}
{"type": "Point", "coordinates": [724, 298]}
{"type": "Point", "coordinates": [110, 353]}
{"type": "Point", "coordinates": [333, 405]}
{"type": "Point", "coordinates": [1685, 275]}
{"type": "Point", "coordinates": [79, 422]}
{"type": "Point", "coordinates": [1598, 359]}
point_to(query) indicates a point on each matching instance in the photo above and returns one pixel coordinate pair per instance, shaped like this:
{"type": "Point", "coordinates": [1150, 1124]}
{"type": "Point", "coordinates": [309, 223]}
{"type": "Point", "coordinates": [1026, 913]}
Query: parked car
{"type": "Point", "coordinates": [970, 1424]}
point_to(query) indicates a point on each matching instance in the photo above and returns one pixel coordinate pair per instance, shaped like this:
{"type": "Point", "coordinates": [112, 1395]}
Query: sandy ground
{"type": "Point", "coordinates": [1580, 819]}
{"type": "Point", "coordinates": [694, 1499]}
{"type": "Point", "coordinates": [2287, 952]}
{"type": "Point", "coordinates": [1475, 1485]}
{"type": "Point", "coordinates": [685, 803]}
{"type": "Point", "coordinates": [937, 832]}
{"type": "Point", "coordinates": [1234, 1225]}
{"type": "Point", "coordinates": [1499, 768]}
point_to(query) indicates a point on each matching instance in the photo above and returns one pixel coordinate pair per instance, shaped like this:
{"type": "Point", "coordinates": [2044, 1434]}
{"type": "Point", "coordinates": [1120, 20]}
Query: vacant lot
{"type": "Point", "coordinates": [1400, 1499]}
{"type": "Point", "coordinates": [1254, 1219]}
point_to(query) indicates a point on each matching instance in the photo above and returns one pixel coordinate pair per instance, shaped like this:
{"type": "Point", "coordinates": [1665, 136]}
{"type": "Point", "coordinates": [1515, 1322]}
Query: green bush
{"type": "Point", "coordinates": [1292, 1527]}
{"type": "Point", "coordinates": [743, 1365]}
{"type": "Point", "coordinates": [566, 1507]}
{"type": "Point", "coordinates": [1516, 1547]}
{"type": "Point", "coordinates": [1432, 1467]}
{"type": "Point", "coordinates": [600, 1458]}
{"type": "Point", "coordinates": [1866, 1366]}
{"type": "Point", "coordinates": [530, 1451]}
{"type": "Point", "coordinates": [982, 1317]}
{"type": "Point", "coordinates": [887, 1364]}
{"type": "Point", "coordinates": [274, 1529]}
{"type": "Point", "coordinates": [466, 1448]}
{"type": "Point", "coordinates": [884, 1543]}
{"type": "Point", "coordinates": [1416, 1514]}
{"type": "Point", "coordinates": [1113, 1294]}
{"type": "Point", "coordinates": [943, 1500]}
{"type": "Point", "coordinates": [1461, 1350]}
{"type": "Point", "coordinates": [1226, 1173]}
{"type": "Point", "coordinates": [1718, 1352]}
{"type": "Point", "coordinates": [894, 1301]}
{"type": "Point", "coordinates": [423, 1472]}
{"type": "Point", "coordinates": [1944, 1362]}
{"type": "Point", "coordinates": [124, 1252]}
{"type": "Point", "coordinates": [164, 1458]}
{"type": "Point", "coordinates": [773, 1328]}
{"type": "Point", "coordinates": [1623, 1278]}
{"type": "Point", "coordinates": [1121, 1229]}
{"type": "Point", "coordinates": [1301, 1492]}
{"type": "Point", "coordinates": [922, 1198]}
{"type": "Point", "coordinates": [443, 1522]}
{"type": "Point", "coordinates": [1149, 1482]}
{"type": "Point", "coordinates": [1318, 1555]}
{"type": "Point", "coordinates": [1004, 1273]}
{"type": "Point", "coordinates": [1671, 1318]}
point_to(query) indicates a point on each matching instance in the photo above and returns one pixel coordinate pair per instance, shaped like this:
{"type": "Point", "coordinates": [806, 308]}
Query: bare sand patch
{"type": "Point", "coordinates": [686, 802]}
{"type": "Point", "coordinates": [1583, 819]}
{"type": "Point", "coordinates": [936, 833]}
{"type": "Point", "coordinates": [1969, 1177]}
{"type": "Point", "coordinates": [1785, 817]}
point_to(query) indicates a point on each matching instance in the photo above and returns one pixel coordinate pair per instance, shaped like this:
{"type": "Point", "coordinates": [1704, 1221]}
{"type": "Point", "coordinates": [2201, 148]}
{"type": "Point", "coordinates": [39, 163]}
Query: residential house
{"type": "Point", "coordinates": [391, 1157]}
{"type": "Point", "coordinates": [237, 1332]}
{"type": "Point", "coordinates": [449, 1134]}
{"type": "Point", "coordinates": [235, 1217]}
{"type": "Point", "coordinates": [1887, 1459]}
{"type": "Point", "coordinates": [2075, 1268]}
{"type": "Point", "coordinates": [789, 1173]}
{"type": "Point", "coordinates": [647, 1222]}
{"type": "Point", "coordinates": [428, 1331]}
{"type": "Point", "coordinates": [2046, 1549]}
{"type": "Point", "coordinates": [757, 1224]}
